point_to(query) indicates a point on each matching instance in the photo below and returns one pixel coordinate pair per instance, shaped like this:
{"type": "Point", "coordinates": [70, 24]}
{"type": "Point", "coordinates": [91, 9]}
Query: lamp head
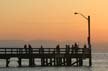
{"type": "Point", "coordinates": [76, 13]}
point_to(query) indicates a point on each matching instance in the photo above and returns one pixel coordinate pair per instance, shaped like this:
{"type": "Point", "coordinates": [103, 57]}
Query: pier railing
{"type": "Point", "coordinates": [44, 51]}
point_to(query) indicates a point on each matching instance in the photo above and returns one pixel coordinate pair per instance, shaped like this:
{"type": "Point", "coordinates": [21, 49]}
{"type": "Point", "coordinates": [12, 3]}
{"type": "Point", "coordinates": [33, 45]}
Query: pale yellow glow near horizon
{"type": "Point", "coordinates": [53, 20]}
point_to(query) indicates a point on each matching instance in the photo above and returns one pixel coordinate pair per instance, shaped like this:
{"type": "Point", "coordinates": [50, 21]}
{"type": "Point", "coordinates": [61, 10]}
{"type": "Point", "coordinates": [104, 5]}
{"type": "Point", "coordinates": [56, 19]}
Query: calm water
{"type": "Point", "coordinates": [100, 63]}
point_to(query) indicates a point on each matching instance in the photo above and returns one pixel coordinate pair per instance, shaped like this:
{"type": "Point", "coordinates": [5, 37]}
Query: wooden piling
{"type": "Point", "coordinates": [51, 62]}
{"type": "Point", "coordinates": [90, 57]}
{"type": "Point", "coordinates": [31, 62]}
{"type": "Point", "coordinates": [7, 62]}
{"type": "Point", "coordinates": [54, 61]}
{"type": "Point", "coordinates": [42, 61]}
{"type": "Point", "coordinates": [80, 62]}
{"type": "Point", "coordinates": [90, 61]}
{"type": "Point", "coordinates": [19, 62]}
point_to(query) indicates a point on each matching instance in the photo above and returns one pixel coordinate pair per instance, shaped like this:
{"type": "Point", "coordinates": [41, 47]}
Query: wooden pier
{"type": "Point", "coordinates": [68, 56]}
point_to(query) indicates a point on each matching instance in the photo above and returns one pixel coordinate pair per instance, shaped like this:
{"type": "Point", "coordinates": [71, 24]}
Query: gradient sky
{"type": "Point", "coordinates": [53, 20]}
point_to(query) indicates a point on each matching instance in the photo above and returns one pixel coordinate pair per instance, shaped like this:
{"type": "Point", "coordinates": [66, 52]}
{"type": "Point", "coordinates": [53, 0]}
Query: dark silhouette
{"type": "Point", "coordinates": [30, 49]}
{"type": "Point", "coordinates": [41, 50]}
{"type": "Point", "coordinates": [58, 49]}
{"type": "Point", "coordinates": [48, 56]}
{"type": "Point", "coordinates": [67, 49]}
{"type": "Point", "coordinates": [76, 47]}
{"type": "Point", "coordinates": [25, 47]}
{"type": "Point", "coordinates": [85, 50]}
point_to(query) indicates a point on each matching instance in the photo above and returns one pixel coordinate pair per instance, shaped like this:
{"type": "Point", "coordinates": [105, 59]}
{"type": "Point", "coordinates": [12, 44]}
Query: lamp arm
{"type": "Point", "coordinates": [83, 16]}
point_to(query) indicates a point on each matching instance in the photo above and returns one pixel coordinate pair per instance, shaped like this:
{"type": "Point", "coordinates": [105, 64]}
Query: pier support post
{"type": "Point", "coordinates": [64, 62]}
{"type": "Point", "coordinates": [54, 61]}
{"type": "Point", "coordinates": [7, 62]}
{"type": "Point", "coordinates": [90, 61]}
{"type": "Point", "coordinates": [19, 62]}
{"type": "Point", "coordinates": [80, 62]}
{"type": "Point", "coordinates": [31, 62]}
{"type": "Point", "coordinates": [90, 58]}
{"type": "Point", "coordinates": [57, 61]}
{"type": "Point", "coordinates": [51, 62]}
{"type": "Point", "coordinates": [42, 61]}
{"type": "Point", "coordinates": [68, 61]}
{"type": "Point", "coordinates": [46, 61]}
{"type": "Point", "coordinates": [77, 61]}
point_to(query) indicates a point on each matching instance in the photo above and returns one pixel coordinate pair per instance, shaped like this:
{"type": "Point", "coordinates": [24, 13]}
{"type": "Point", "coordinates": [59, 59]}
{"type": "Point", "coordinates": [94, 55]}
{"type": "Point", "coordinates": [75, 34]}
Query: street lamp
{"type": "Point", "coordinates": [89, 42]}
{"type": "Point", "coordinates": [88, 39]}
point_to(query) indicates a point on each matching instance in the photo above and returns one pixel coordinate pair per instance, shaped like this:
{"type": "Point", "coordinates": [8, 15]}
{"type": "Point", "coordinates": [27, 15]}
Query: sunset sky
{"type": "Point", "coordinates": [53, 20]}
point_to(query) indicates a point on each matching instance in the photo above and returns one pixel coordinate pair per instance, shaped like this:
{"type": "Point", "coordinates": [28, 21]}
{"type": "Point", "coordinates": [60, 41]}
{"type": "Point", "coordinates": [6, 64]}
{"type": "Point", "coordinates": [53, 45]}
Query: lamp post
{"type": "Point", "coordinates": [87, 18]}
{"type": "Point", "coordinates": [88, 39]}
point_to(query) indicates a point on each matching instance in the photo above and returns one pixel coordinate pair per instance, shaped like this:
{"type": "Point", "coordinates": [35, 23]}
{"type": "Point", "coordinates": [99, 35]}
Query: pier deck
{"type": "Point", "coordinates": [48, 56]}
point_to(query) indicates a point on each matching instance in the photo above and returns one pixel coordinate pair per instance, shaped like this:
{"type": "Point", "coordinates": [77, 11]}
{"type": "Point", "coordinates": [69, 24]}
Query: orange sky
{"type": "Point", "coordinates": [53, 20]}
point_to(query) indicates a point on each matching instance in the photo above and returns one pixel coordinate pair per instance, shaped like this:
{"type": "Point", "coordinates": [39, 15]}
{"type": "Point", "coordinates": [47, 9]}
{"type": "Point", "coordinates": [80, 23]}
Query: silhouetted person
{"type": "Point", "coordinates": [72, 49]}
{"type": "Point", "coordinates": [30, 49]}
{"type": "Point", "coordinates": [58, 49]}
{"type": "Point", "coordinates": [85, 46]}
{"type": "Point", "coordinates": [67, 49]}
{"type": "Point", "coordinates": [76, 47]}
{"type": "Point", "coordinates": [25, 47]}
{"type": "Point", "coordinates": [84, 51]}
{"type": "Point", "coordinates": [41, 49]}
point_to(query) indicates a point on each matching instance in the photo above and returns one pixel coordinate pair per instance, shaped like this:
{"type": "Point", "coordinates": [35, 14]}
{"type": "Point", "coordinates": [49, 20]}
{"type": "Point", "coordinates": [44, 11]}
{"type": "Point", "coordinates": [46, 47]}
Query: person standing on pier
{"type": "Point", "coordinates": [58, 49]}
{"type": "Point", "coordinates": [25, 47]}
{"type": "Point", "coordinates": [84, 51]}
{"type": "Point", "coordinates": [67, 50]}
{"type": "Point", "coordinates": [76, 47]}
{"type": "Point", "coordinates": [41, 50]}
{"type": "Point", "coordinates": [31, 58]}
{"type": "Point", "coordinates": [72, 49]}
{"type": "Point", "coordinates": [30, 49]}
{"type": "Point", "coordinates": [58, 62]}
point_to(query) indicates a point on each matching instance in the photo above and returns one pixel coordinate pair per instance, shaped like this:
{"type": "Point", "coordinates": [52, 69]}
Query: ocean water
{"type": "Point", "coordinates": [99, 61]}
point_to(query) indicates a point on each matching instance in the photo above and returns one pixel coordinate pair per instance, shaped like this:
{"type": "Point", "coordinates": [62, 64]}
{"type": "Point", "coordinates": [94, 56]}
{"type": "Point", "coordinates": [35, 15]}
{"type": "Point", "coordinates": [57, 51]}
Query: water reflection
{"type": "Point", "coordinates": [48, 69]}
